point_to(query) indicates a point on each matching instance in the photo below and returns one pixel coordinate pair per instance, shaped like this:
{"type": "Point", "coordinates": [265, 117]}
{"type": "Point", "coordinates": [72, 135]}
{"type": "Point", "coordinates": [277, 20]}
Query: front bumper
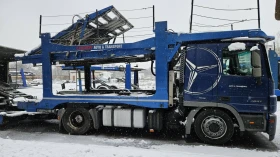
{"type": "Point", "coordinates": [261, 123]}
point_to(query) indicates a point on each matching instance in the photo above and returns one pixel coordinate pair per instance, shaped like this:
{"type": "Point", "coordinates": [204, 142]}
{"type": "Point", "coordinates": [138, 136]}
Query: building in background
{"type": "Point", "coordinates": [6, 56]}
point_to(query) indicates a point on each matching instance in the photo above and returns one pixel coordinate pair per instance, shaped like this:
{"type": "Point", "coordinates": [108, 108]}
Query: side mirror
{"type": "Point", "coordinates": [256, 63]}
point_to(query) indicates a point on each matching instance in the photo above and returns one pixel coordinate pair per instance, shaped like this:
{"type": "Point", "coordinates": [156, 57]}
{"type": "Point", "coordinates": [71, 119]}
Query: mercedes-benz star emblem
{"type": "Point", "coordinates": [195, 70]}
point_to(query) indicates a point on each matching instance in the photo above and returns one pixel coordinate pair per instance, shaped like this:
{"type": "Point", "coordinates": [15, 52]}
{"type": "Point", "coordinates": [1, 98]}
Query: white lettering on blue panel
{"type": "Point", "coordinates": [118, 46]}
{"type": "Point", "coordinates": [101, 47]}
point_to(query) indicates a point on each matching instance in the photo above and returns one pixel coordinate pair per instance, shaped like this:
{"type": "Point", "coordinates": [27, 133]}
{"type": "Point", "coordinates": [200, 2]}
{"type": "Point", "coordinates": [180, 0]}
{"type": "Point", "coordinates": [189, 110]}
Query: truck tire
{"type": "Point", "coordinates": [214, 126]}
{"type": "Point", "coordinates": [76, 121]}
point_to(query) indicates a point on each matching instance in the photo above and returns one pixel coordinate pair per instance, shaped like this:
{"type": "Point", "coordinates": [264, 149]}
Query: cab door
{"type": "Point", "coordinates": [237, 86]}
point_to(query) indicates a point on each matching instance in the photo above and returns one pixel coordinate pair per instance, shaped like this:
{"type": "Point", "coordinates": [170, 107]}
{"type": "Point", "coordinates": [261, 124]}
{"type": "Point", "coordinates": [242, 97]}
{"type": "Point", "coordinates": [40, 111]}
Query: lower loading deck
{"type": "Point", "coordinates": [111, 92]}
{"type": "Point", "coordinates": [140, 98]}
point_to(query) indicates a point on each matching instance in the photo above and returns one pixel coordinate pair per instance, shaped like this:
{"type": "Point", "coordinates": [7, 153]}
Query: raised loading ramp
{"type": "Point", "coordinates": [95, 28]}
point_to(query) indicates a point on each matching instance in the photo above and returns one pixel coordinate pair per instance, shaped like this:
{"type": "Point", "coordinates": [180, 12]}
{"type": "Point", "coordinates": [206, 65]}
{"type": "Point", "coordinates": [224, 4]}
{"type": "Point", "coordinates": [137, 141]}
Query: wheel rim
{"type": "Point", "coordinates": [214, 127]}
{"type": "Point", "coordinates": [77, 119]}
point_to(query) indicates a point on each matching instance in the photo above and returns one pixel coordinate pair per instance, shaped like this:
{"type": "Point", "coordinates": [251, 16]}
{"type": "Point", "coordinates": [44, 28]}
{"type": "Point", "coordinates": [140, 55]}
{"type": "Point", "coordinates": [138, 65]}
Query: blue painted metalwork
{"type": "Point", "coordinates": [273, 59]}
{"type": "Point", "coordinates": [80, 81]}
{"type": "Point", "coordinates": [23, 78]}
{"type": "Point", "coordinates": [277, 92]}
{"type": "Point", "coordinates": [80, 84]}
{"type": "Point", "coordinates": [274, 65]}
{"type": "Point", "coordinates": [128, 76]}
{"type": "Point", "coordinates": [157, 46]}
{"type": "Point", "coordinates": [1, 119]}
{"type": "Point", "coordinates": [85, 23]}
{"type": "Point", "coordinates": [174, 52]}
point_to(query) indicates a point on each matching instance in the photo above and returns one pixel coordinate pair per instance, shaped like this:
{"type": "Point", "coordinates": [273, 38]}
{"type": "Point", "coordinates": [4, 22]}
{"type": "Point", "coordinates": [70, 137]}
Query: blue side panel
{"type": "Point", "coordinates": [277, 92]}
{"type": "Point", "coordinates": [23, 78]}
{"type": "Point", "coordinates": [83, 28]}
{"type": "Point", "coordinates": [80, 83]}
{"type": "Point", "coordinates": [1, 119]}
{"type": "Point", "coordinates": [273, 59]}
{"type": "Point", "coordinates": [128, 76]}
{"type": "Point", "coordinates": [46, 66]}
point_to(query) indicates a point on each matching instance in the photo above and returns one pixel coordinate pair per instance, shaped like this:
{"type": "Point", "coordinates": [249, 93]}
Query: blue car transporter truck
{"type": "Point", "coordinates": [223, 82]}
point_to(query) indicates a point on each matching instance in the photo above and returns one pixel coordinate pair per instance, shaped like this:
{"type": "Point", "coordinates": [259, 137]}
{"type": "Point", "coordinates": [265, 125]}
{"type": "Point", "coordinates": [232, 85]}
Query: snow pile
{"type": "Point", "coordinates": [27, 53]}
{"type": "Point", "coordinates": [254, 48]}
{"type": "Point", "coordinates": [18, 113]}
{"type": "Point", "coordinates": [237, 46]}
{"type": "Point", "coordinates": [139, 56]}
{"type": "Point", "coordinates": [119, 141]}
{"type": "Point", "coordinates": [184, 122]}
{"type": "Point", "coordinates": [19, 99]}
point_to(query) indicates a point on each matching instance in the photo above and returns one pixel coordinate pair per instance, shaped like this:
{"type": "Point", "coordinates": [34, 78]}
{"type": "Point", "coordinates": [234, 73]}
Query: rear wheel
{"type": "Point", "coordinates": [76, 121]}
{"type": "Point", "coordinates": [214, 126]}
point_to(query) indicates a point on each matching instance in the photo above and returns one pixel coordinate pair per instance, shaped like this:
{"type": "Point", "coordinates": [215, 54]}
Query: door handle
{"type": "Point", "coordinates": [224, 98]}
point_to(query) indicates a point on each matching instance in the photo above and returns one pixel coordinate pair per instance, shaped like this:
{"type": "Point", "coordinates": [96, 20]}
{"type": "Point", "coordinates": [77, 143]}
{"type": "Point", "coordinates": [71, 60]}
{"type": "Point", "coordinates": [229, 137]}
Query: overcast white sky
{"type": "Point", "coordinates": [19, 19]}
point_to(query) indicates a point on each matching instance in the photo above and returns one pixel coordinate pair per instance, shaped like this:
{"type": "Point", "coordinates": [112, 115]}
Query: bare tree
{"type": "Point", "coordinates": [277, 10]}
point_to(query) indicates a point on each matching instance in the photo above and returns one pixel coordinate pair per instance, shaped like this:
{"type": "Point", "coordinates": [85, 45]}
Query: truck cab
{"type": "Point", "coordinates": [232, 74]}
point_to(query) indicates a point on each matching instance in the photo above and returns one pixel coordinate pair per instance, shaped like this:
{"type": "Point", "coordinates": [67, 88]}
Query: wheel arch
{"type": "Point", "coordinates": [198, 107]}
{"type": "Point", "coordinates": [92, 109]}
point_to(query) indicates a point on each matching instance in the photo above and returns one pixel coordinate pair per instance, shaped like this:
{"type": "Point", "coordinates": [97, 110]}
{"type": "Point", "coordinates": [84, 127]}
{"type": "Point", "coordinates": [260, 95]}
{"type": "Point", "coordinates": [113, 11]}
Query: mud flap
{"type": "Point", "coordinates": [189, 122]}
{"type": "Point", "coordinates": [271, 130]}
{"type": "Point", "coordinates": [4, 120]}
{"type": "Point", "coordinates": [96, 117]}
{"type": "Point", "coordinates": [60, 114]}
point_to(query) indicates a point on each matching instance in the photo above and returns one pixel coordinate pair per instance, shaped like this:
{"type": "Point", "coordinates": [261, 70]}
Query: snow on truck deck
{"type": "Point", "coordinates": [41, 138]}
{"type": "Point", "coordinates": [37, 91]}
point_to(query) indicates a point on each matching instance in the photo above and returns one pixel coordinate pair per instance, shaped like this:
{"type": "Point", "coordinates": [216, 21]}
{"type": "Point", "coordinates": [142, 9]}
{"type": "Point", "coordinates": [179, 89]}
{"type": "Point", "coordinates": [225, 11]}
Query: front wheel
{"type": "Point", "coordinates": [76, 121]}
{"type": "Point", "coordinates": [214, 126]}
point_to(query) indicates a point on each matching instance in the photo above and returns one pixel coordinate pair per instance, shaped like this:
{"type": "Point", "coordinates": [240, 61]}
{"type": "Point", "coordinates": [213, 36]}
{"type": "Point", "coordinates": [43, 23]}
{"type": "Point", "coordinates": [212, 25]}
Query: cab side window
{"type": "Point", "coordinates": [237, 63]}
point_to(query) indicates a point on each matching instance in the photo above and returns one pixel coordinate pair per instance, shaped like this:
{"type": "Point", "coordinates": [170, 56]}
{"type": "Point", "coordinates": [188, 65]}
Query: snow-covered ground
{"type": "Point", "coordinates": [34, 148]}
{"type": "Point", "coordinates": [41, 138]}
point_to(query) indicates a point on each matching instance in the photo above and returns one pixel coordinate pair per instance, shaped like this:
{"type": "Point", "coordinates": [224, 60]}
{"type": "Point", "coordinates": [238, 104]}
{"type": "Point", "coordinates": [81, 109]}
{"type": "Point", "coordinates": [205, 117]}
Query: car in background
{"type": "Point", "coordinates": [36, 82]}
